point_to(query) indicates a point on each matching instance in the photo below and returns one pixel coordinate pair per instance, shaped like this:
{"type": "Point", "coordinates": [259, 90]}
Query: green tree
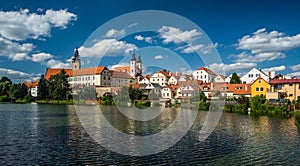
{"type": "Point", "coordinates": [5, 84]}
{"type": "Point", "coordinates": [43, 88]}
{"type": "Point", "coordinates": [235, 79]}
{"type": "Point", "coordinates": [59, 86]}
{"type": "Point", "coordinates": [200, 96]}
{"type": "Point", "coordinates": [18, 91]}
{"type": "Point", "coordinates": [257, 103]}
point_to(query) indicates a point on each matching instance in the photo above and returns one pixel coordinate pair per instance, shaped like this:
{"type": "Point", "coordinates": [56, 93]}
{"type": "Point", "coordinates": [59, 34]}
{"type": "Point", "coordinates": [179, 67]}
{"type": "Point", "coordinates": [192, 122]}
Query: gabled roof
{"type": "Point", "coordinates": [239, 89]}
{"type": "Point", "coordinates": [89, 71]}
{"type": "Point", "coordinates": [118, 74]}
{"type": "Point", "coordinates": [53, 71]}
{"type": "Point", "coordinates": [207, 70]}
{"type": "Point", "coordinates": [285, 81]}
{"type": "Point", "coordinates": [259, 78]}
{"type": "Point", "coordinates": [165, 73]}
{"type": "Point", "coordinates": [31, 84]}
{"type": "Point", "coordinates": [122, 68]}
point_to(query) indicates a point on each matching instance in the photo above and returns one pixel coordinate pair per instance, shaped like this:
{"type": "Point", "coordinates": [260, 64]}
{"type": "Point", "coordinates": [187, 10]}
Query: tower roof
{"type": "Point", "coordinates": [139, 59]}
{"type": "Point", "coordinates": [133, 56]}
{"type": "Point", "coordinates": [76, 54]}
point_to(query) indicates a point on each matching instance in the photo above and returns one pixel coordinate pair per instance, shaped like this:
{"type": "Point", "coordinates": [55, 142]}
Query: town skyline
{"type": "Point", "coordinates": [45, 35]}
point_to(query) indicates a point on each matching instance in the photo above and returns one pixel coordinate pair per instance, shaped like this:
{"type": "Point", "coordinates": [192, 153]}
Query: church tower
{"type": "Point", "coordinates": [76, 62]}
{"type": "Point", "coordinates": [139, 65]}
{"type": "Point", "coordinates": [133, 65]}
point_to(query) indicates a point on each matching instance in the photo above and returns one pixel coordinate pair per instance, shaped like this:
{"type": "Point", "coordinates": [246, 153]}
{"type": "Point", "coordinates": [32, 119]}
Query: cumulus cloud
{"type": "Point", "coordinates": [158, 57]}
{"type": "Point", "coordinates": [41, 57]}
{"type": "Point", "coordinates": [262, 41]}
{"type": "Point", "coordinates": [295, 67]}
{"type": "Point", "coordinates": [177, 36]}
{"type": "Point", "coordinates": [114, 33]}
{"type": "Point", "coordinates": [220, 68]}
{"type": "Point", "coordinates": [109, 47]}
{"type": "Point", "coordinates": [14, 50]}
{"type": "Point", "coordinates": [265, 56]}
{"type": "Point", "coordinates": [275, 68]}
{"type": "Point", "coordinates": [204, 49]}
{"type": "Point", "coordinates": [53, 63]}
{"type": "Point", "coordinates": [17, 75]}
{"type": "Point", "coordinates": [141, 38]}
{"type": "Point", "coordinates": [22, 25]}
{"type": "Point", "coordinates": [111, 67]}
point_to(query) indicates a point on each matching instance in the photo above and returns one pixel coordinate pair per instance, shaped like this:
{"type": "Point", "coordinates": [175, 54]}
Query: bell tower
{"type": "Point", "coordinates": [133, 65]}
{"type": "Point", "coordinates": [76, 62]}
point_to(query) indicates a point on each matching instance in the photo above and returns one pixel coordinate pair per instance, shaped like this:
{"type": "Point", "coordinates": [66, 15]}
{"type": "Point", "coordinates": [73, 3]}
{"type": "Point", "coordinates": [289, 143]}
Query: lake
{"type": "Point", "coordinates": [53, 135]}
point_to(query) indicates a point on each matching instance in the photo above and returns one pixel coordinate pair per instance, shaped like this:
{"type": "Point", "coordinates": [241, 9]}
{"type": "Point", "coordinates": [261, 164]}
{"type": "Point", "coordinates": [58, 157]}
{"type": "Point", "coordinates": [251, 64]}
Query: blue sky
{"type": "Point", "coordinates": [35, 35]}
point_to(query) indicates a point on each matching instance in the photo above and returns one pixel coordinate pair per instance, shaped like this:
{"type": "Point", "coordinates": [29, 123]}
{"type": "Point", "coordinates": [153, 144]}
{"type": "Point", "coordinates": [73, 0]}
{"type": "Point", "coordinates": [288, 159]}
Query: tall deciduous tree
{"type": "Point", "coordinates": [5, 84]}
{"type": "Point", "coordinates": [235, 79]}
{"type": "Point", "coordinates": [43, 88]}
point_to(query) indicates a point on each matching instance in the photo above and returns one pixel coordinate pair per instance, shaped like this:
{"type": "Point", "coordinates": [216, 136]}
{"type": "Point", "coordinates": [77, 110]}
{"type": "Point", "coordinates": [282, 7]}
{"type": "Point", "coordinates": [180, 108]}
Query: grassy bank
{"type": "Point", "coordinates": [59, 102]}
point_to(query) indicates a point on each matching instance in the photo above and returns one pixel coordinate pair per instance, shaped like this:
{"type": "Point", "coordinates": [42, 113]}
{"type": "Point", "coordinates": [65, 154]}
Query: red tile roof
{"type": "Point", "coordinates": [89, 71]}
{"type": "Point", "coordinates": [122, 68]}
{"type": "Point", "coordinates": [285, 81]}
{"type": "Point", "coordinates": [207, 70]}
{"type": "Point", "coordinates": [31, 84]}
{"type": "Point", "coordinates": [118, 74]}
{"type": "Point", "coordinates": [53, 71]}
{"type": "Point", "coordinates": [167, 74]}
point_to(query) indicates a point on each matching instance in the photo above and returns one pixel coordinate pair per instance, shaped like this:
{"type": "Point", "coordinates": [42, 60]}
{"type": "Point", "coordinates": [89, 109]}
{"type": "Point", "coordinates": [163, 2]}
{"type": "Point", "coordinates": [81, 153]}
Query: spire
{"type": "Point", "coordinates": [76, 54]}
{"type": "Point", "coordinates": [133, 56]}
{"type": "Point", "coordinates": [139, 58]}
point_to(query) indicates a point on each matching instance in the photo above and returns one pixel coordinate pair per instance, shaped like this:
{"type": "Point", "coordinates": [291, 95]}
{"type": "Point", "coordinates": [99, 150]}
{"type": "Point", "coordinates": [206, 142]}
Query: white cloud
{"type": "Point", "coordinates": [175, 35]}
{"type": "Point", "coordinates": [111, 67]}
{"type": "Point", "coordinates": [41, 57]}
{"type": "Point", "coordinates": [262, 41]}
{"type": "Point", "coordinates": [141, 38]}
{"type": "Point", "coordinates": [266, 56]}
{"type": "Point", "coordinates": [17, 75]}
{"type": "Point", "coordinates": [52, 63]}
{"type": "Point", "coordinates": [198, 47]}
{"type": "Point", "coordinates": [220, 68]}
{"type": "Point", "coordinates": [297, 74]}
{"type": "Point", "coordinates": [109, 47]}
{"type": "Point", "coordinates": [114, 33]}
{"type": "Point", "coordinates": [295, 67]}
{"type": "Point", "coordinates": [15, 51]}
{"type": "Point", "coordinates": [22, 25]}
{"type": "Point", "coordinates": [158, 57]}
{"type": "Point", "coordinates": [275, 68]}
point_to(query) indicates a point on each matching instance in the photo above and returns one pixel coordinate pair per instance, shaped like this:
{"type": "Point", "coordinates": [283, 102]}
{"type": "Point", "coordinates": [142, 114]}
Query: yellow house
{"type": "Point", "coordinates": [259, 87]}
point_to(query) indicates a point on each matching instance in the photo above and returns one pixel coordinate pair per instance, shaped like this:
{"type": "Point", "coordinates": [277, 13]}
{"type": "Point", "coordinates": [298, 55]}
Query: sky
{"type": "Point", "coordinates": [233, 36]}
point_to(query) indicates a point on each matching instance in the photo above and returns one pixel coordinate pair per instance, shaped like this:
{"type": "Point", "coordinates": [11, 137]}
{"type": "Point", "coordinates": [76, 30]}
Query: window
{"type": "Point", "coordinates": [261, 89]}
{"type": "Point", "coordinates": [250, 75]}
{"type": "Point", "coordinates": [259, 81]}
{"type": "Point", "coordinates": [168, 94]}
{"type": "Point", "coordinates": [108, 78]}
{"type": "Point", "coordinates": [104, 78]}
{"type": "Point", "coordinates": [290, 84]}
{"type": "Point", "coordinates": [290, 95]}
{"type": "Point", "coordinates": [93, 77]}
{"type": "Point", "coordinates": [257, 75]}
{"type": "Point", "coordinates": [257, 89]}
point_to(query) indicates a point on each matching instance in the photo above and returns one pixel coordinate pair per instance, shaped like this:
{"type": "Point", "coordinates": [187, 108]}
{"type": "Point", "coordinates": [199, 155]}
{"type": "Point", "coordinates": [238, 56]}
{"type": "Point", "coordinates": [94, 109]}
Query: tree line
{"type": "Point", "coordinates": [55, 88]}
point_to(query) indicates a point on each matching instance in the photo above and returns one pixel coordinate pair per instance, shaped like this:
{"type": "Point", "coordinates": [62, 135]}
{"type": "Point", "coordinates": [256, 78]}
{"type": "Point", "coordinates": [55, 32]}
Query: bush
{"type": "Point", "coordinates": [228, 108]}
{"type": "Point", "coordinates": [241, 108]}
{"type": "Point", "coordinates": [4, 98]}
{"type": "Point", "coordinates": [204, 106]}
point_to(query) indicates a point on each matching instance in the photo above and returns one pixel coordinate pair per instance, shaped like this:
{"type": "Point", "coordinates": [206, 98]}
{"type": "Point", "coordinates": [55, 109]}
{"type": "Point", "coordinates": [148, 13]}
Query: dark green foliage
{"type": "Point", "coordinates": [204, 106]}
{"type": "Point", "coordinates": [4, 98]}
{"type": "Point", "coordinates": [235, 79]}
{"type": "Point", "coordinates": [5, 84]}
{"type": "Point", "coordinates": [59, 86]}
{"type": "Point", "coordinates": [257, 104]}
{"type": "Point", "coordinates": [18, 91]}
{"type": "Point", "coordinates": [107, 100]}
{"type": "Point", "coordinates": [43, 88]}
{"type": "Point", "coordinates": [135, 94]}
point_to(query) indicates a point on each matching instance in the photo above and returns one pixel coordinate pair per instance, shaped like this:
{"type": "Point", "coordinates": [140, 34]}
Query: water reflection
{"type": "Point", "coordinates": [48, 135]}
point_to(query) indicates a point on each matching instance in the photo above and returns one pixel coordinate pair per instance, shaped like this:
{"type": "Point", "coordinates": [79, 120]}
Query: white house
{"type": "Point", "coordinates": [219, 78]}
{"type": "Point", "coordinates": [166, 92]}
{"type": "Point", "coordinates": [161, 77]}
{"type": "Point", "coordinates": [204, 74]}
{"type": "Point", "coordinates": [252, 75]}
{"type": "Point", "coordinates": [173, 80]}
{"type": "Point", "coordinates": [145, 80]}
